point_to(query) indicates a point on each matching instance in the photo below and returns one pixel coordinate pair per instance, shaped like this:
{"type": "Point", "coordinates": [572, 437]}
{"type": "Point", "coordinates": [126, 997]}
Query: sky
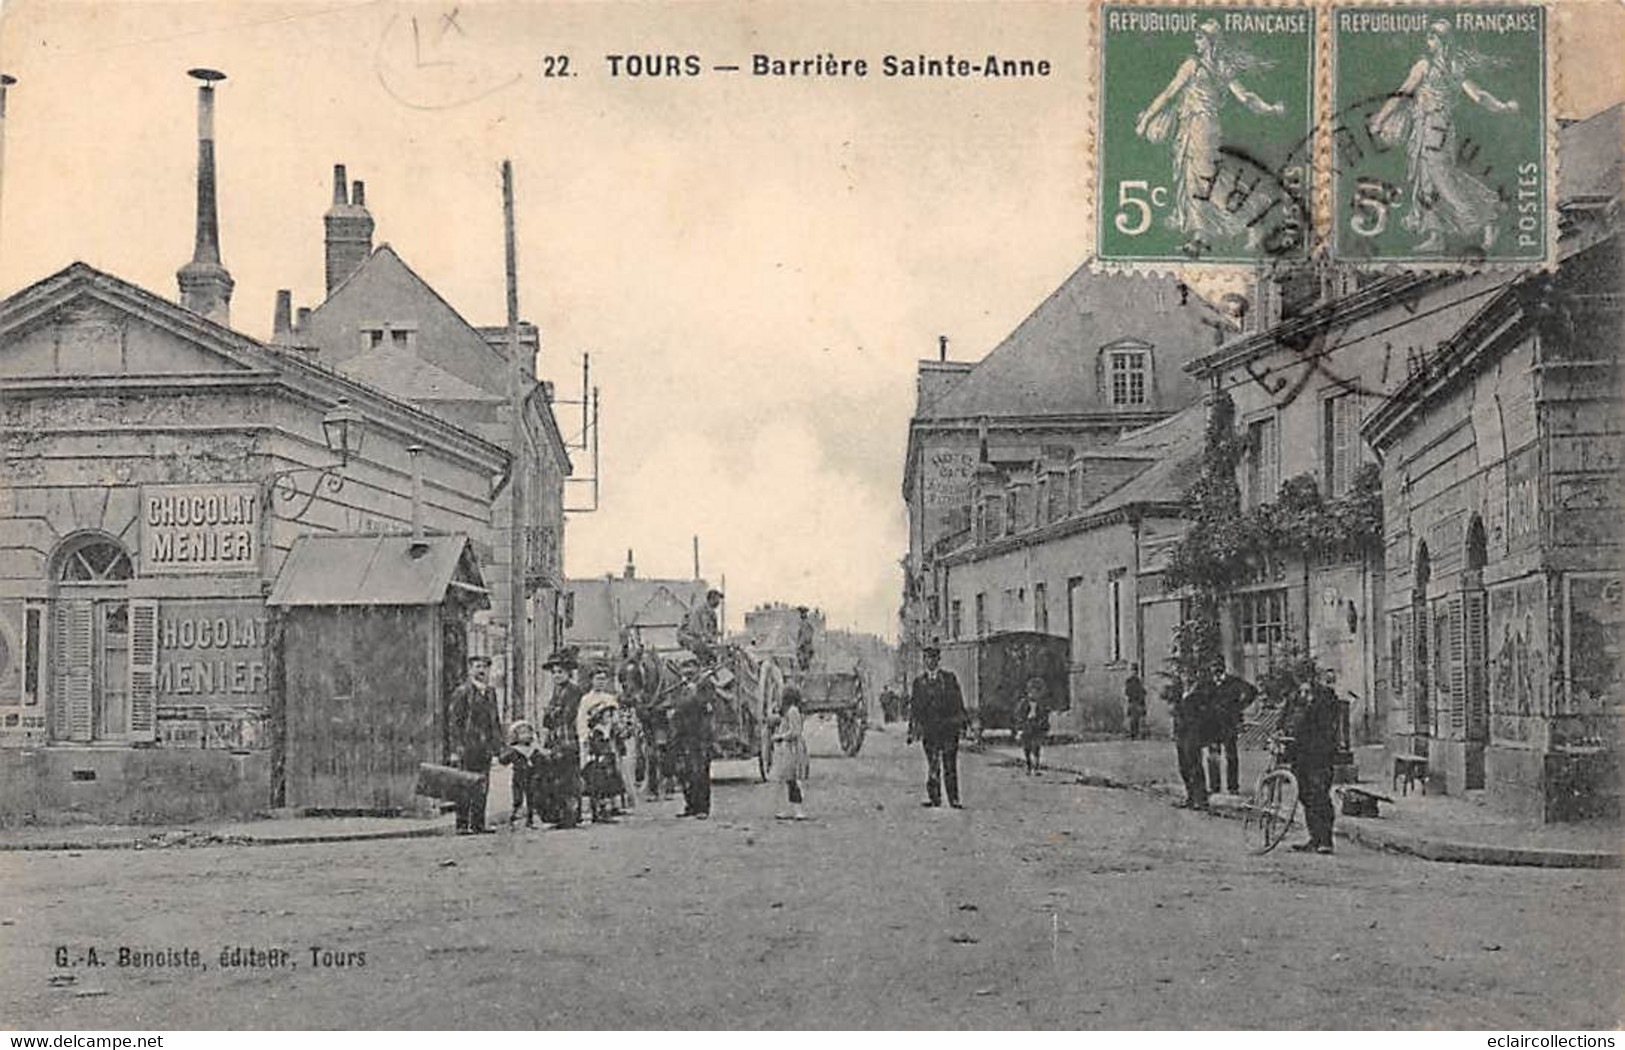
{"type": "Point", "coordinates": [755, 264]}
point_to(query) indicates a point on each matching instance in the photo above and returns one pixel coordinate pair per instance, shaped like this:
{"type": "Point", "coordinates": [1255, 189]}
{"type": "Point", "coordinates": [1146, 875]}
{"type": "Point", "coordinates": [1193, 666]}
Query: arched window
{"type": "Point", "coordinates": [1477, 545]}
{"type": "Point", "coordinates": [93, 558]}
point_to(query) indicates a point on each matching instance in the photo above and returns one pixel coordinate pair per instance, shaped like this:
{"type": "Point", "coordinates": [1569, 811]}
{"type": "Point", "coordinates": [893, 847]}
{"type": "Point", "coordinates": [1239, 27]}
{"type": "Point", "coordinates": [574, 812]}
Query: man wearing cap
{"type": "Point", "coordinates": [475, 728]}
{"type": "Point", "coordinates": [936, 715]}
{"type": "Point", "coordinates": [691, 721]}
{"type": "Point", "coordinates": [698, 634]}
{"type": "Point", "coordinates": [563, 742]}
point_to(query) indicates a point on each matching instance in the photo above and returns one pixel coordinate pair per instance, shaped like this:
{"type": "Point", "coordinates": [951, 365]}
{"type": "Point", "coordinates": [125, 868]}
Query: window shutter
{"type": "Point", "coordinates": [1477, 660]}
{"type": "Point", "coordinates": [70, 670]}
{"type": "Point", "coordinates": [143, 670]}
{"type": "Point", "coordinates": [1457, 668]}
{"type": "Point", "coordinates": [1401, 652]}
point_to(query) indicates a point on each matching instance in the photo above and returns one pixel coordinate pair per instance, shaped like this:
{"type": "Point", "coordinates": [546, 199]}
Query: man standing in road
{"type": "Point", "coordinates": [936, 716]}
{"type": "Point", "coordinates": [1190, 725]}
{"type": "Point", "coordinates": [1134, 701]}
{"type": "Point", "coordinates": [692, 722]}
{"type": "Point", "coordinates": [563, 805]}
{"type": "Point", "coordinates": [1312, 723]}
{"type": "Point", "coordinates": [699, 631]}
{"type": "Point", "coordinates": [1232, 696]}
{"type": "Point", "coordinates": [476, 733]}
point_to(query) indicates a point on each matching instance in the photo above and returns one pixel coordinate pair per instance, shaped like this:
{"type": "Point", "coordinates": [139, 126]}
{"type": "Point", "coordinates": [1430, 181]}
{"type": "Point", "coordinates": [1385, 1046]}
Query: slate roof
{"type": "Point", "coordinates": [1047, 365]}
{"type": "Point", "coordinates": [411, 378]}
{"type": "Point", "coordinates": [1589, 155]}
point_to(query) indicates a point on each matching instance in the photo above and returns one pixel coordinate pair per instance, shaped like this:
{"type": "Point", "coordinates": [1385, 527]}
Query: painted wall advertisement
{"type": "Point", "coordinates": [1591, 711]}
{"type": "Point", "coordinates": [187, 529]}
{"type": "Point", "coordinates": [947, 476]}
{"type": "Point", "coordinates": [1520, 665]}
{"type": "Point", "coordinates": [213, 688]}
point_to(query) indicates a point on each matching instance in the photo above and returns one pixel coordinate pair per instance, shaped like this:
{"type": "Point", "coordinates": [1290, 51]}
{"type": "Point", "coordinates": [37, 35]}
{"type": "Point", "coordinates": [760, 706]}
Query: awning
{"type": "Point", "coordinates": [379, 570]}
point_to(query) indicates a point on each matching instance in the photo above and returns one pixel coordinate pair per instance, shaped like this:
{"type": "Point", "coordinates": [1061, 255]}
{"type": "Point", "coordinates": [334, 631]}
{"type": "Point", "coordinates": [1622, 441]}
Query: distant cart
{"type": "Point", "coordinates": [993, 671]}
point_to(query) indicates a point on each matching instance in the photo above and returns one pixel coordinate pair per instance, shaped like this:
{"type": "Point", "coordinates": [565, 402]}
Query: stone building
{"type": "Point", "coordinates": [157, 468]}
{"type": "Point", "coordinates": [382, 324]}
{"type": "Point", "coordinates": [1088, 569]}
{"type": "Point", "coordinates": [992, 445]}
{"type": "Point", "coordinates": [1501, 456]}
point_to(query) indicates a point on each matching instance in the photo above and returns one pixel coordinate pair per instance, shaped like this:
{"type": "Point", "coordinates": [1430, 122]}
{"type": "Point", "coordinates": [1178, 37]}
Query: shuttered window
{"type": "Point", "coordinates": [1477, 660]}
{"type": "Point", "coordinates": [143, 670]}
{"type": "Point", "coordinates": [1457, 652]}
{"type": "Point", "coordinates": [72, 658]}
{"type": "Point", "coordinates": [1341, 442]}
{"type": "Point", "coordinates": [1399, 659]}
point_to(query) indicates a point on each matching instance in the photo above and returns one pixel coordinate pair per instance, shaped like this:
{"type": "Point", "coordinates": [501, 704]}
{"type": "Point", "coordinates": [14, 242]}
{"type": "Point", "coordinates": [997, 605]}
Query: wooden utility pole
{"type": "Point", "coordinates": [516, 485]}
{"type": "Point", "coordinates": [6, 80]}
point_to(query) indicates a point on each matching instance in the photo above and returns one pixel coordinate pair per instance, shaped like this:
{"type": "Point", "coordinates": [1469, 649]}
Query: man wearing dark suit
{"type": "Point", "coordinates": [936, 715]}
{"type": "Point", "coordinates": [562, 800]}
{"type": "Point", "coordinates": [1191, 722]}
{"type": "Point", "coordinates": [691, 721]}
{"type": "Point", "coordinates": [1312, 722]}
{"type": "Point", "coordinates": [476, 734]}
{"type": "Point", "coordinates": [1232, 696]}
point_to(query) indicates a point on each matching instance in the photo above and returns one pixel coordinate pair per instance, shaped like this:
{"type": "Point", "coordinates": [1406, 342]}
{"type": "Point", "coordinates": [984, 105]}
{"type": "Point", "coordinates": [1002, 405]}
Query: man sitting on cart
{"type": "Point", "coordinates": [699, 631]}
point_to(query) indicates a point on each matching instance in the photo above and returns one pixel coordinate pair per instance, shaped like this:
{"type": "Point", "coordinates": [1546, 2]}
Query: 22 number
{"type": "Point", "coordinates": [555, 65]}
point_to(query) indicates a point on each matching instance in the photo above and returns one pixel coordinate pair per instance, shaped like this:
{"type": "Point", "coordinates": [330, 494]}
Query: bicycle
{"type": "Point", "coordinates": [1274, 802]}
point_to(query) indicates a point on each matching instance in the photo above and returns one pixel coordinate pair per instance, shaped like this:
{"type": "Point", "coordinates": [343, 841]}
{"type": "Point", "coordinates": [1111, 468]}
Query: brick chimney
{"type": "Point", "coordinates": [205, 285]}
{"type": "Point", "coordinates": [282, 319]}
{"type": "Point", "coordinates": [631, 570]}
{"type": "Point", "coordinates": [349, 229]}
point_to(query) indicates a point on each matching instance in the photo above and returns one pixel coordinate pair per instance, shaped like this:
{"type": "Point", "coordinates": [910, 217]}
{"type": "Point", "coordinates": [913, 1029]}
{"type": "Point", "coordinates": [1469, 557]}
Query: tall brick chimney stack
{"type": "Point", "coordinates": [282, 319]}
{"type": "Point", "coordinates": [205, 285]}
{"type": "Point", "coordinates": [349, 229]}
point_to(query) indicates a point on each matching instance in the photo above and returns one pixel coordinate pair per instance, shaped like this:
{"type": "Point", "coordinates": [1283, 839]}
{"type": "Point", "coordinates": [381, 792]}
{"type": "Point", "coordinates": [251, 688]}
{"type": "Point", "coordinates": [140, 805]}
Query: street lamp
{"type": "Point", "coordinates": [343, 430]}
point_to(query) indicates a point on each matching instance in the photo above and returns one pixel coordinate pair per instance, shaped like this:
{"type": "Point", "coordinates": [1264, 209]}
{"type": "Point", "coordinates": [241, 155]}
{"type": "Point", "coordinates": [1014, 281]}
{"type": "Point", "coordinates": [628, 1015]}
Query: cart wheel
{"type": "Point", "coordinates": [850, 727]}
{"type": "Point", "coordinates": [1271, 812]}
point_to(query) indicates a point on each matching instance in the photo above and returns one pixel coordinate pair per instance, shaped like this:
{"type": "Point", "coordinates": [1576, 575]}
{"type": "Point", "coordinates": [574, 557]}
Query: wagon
{"type": "Point", "coordinates": [831, 694]}
{"type": "Point", "coordinates": [993, 671]}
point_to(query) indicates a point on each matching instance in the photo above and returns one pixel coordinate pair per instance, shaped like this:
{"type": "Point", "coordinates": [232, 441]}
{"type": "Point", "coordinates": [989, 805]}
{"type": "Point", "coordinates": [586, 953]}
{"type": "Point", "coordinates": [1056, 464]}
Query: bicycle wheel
{"type": "Point", "coordinates": [1271, 812]}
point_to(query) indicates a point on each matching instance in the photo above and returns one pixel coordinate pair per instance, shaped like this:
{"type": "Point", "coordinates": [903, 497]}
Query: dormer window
{"type": "Point", "coordinates": [1125, 373]}
{"type": "Point", "coordinates": [1129, 370]}
{"type": "Point", "coordinates": [400, 337]}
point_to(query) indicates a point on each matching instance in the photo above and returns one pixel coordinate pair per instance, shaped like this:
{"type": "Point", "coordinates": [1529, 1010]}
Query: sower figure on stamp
{"type": "Point", "coordinates": [936, 716]}
{"type": "Point", "coordinates": [1312, 723]}
{"type": "Point", "coordinates": [1446, 200]}
{"type": "Point", "coordinates": [1190, 107]}
{"type": "Point", "coordinates": [476, 732]}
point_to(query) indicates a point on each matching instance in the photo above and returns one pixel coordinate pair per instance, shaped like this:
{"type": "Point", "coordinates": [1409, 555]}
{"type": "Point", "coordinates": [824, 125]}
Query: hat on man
{"type": "Point", "coordinates": [479, 659]}
{"type": "Point", "coordinates": [931, 647]}
{"type": "Point", "coordinates": [714, 593]}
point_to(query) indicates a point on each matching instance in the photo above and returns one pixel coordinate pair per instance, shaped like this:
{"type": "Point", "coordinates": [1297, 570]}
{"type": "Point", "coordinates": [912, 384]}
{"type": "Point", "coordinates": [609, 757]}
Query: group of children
{"type": "Point", "coordinates": [606, 733]}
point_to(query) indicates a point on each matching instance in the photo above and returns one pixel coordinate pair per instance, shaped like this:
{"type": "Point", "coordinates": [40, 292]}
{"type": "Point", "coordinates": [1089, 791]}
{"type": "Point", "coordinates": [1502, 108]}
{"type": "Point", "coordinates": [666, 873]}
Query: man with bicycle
{"type": "Point", "coordinates": [1312, 722]}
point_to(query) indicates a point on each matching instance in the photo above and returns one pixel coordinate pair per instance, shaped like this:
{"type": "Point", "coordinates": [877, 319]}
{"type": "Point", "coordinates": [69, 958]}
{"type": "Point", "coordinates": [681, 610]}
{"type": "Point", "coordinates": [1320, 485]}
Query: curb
{"type": "Point", "coordinates": [1352, 829]}
{"type": "Point", "coordinates": [209, 839]}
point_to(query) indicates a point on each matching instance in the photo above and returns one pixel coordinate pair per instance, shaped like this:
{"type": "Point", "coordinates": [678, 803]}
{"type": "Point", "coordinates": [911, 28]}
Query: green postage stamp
{"type": "Point", "coordinates": [1204, 133]}
{"type": "Point", "coordinates": [1440, 133]}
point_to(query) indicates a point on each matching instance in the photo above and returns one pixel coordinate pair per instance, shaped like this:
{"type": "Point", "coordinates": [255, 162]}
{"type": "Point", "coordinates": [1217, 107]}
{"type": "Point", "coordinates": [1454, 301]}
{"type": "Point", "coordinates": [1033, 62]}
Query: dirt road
{"type": "Point", "coordinates": [1043, 904]}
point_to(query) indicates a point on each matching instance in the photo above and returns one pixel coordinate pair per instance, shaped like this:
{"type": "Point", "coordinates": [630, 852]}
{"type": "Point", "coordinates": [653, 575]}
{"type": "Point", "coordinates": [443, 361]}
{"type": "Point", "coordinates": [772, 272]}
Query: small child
{"type": "Point", "coordinates": [791, 764]}
{"type": "Point", "coordinates": [526, 760]}
{"type": "Point", "coordinates": [1032, 723]}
